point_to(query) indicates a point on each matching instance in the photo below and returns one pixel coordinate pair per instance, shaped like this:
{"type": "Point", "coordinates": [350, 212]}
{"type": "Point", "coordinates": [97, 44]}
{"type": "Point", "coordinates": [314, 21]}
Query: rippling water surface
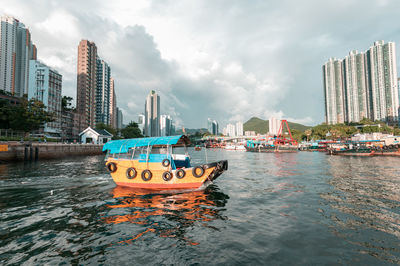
{"type": "Point", "coordinates": [304, 208]}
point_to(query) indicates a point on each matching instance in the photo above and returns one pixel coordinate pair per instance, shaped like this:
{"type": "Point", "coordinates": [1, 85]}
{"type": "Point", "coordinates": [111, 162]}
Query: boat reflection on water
{"type": "Point", "coordinates": [180, 210]}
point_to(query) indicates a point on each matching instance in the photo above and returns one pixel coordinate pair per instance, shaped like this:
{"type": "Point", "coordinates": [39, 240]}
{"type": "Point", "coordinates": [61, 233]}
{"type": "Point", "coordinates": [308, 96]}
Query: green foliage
{"type": "Point", "coordinates": [108, 128]}
{"type": "Point", "coordinates": [131, 131]}
{"type": "Point", "coordinates": [26, 116]}
{"type": "Point", "coordinates": [66, 103]}
{"type": "Point", "coordinates": [262, 126]}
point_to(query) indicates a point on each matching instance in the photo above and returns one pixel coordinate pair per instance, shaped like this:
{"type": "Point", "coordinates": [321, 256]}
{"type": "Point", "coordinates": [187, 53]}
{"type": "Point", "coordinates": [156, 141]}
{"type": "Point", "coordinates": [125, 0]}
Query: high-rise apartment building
{"type": "Point", "coordinates": [103, 92]}
{"type": "Point", "coordinates": [382, 81]}
{"type": "Point", "coordinates": [231, 130]}
{"type": "Point", "coordinates": [212, 126]}
{"type": "Point", "coordinates": [16, 49]}
{"type": "Point", "coordinates": [113, 104]}
{"type": "Point", "coordinates": [239, 128]}
{"type": "Point", "coordinates": [334, 91]}
{"type": "Point", "coordinates": [120, 119]}
{"type": "Point", "coordinates": [141, 122]}
{"type": "Point", "coordinates": [165, 125]}
{"type": "Point", "coordinates": [355, 84]}
{"type": "Point", "coordinates": [363, 85]}
{"type": "Point", "coordinates": [273, 126]}
{"type": "Point", "coordinates": [87, 82]}
{"type": "Point", "coordinates": [152, 115]}
{"type": "Point", "coordinates": [45, 85]}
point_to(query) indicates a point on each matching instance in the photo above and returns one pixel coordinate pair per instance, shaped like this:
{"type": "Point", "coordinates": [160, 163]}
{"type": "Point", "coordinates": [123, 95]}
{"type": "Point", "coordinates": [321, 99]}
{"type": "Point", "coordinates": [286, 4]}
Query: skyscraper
{"type": "Point", "coordinates": [45, 85]}
{"type": "Point", "coordinates": [103, 92]}
{"type": "Point", "coordinates": [239, 128]}
{"type": "Point", "coordinates": [120, 119]}
{"type": "Point", "coordinates": [152, 115]}
{"type": "Point", "coordinates": [87, 82]}
{"type": "Point", "coordinates": [141, 123]}
{"type": "Point", "coordinates": [365, 84]}
{"type": "Point", "coordinates": [165, 125]}
{"type": "Point", "coordinates": [334, 91]}
{"type": "Point", "coordinates": [273, 126]}
{"type": "Point", "coordinates": [16, 49]}
{"type": "Point", "coordinates": [113, 104]}
{"type": "Point", "coordinates": [212, 126]}
{"type": "Point", "coordinates": [355, 84]}
{"type": "Point", "coordinates": [382, 81]}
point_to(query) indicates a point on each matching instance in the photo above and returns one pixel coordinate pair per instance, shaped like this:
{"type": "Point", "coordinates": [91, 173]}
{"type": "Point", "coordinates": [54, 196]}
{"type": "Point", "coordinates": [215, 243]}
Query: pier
{"type": "Point", "coordinates": [33, 151]}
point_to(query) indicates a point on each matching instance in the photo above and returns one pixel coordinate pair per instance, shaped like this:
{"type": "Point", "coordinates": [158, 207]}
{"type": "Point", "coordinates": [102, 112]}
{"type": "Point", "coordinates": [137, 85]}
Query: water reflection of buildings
{"type": "Point", "coordinates": [179, 211]}
{"type": "Point", "coordinates": [365, 196]}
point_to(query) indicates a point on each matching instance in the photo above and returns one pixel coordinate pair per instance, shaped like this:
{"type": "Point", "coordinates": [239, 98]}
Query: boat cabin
{"type": "Point", "coordinates": [152, 150]}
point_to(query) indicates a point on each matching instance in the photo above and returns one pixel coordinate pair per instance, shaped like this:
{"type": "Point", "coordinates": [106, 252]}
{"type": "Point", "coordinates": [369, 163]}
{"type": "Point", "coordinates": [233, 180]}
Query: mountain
{"type": "Point", "coordinates": [262, 126]}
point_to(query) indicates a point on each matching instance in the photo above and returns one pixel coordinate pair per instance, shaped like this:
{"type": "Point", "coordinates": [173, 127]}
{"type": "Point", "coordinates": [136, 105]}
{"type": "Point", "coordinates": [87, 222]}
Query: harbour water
{"type": "Point", "coordinates": [279, 209]}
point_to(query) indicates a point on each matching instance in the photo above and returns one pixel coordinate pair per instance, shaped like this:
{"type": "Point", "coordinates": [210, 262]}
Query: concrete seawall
{"type": "Point", "coordinates": [16, 151]}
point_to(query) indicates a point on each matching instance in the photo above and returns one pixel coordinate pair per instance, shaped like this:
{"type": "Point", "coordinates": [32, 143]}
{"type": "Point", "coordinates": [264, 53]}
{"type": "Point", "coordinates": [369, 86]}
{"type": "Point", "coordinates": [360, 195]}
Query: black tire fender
{"type": "Point", "coordinates": [148, 173]}
{"type": "Point", "coordinates": [131, 173]}
{"type": "Point", "coordinates": [167, 176]}
{"type": "Point", "coordinates": [166, 162]}
{"type": "Point", "coordinates": [195, 170]}
{"type": "Point", "coordinates": [111, 167]}
{"type": "Point", "coordinates": [180, 173]}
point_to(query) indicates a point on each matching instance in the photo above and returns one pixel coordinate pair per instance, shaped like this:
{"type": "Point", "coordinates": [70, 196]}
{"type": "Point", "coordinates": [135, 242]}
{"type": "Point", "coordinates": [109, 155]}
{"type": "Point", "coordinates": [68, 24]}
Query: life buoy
{"type": "Point", "coordinates": [148, 173]}
{"type": "Point", "coordinates": [131, 173]}
{"type": "Point", "coordinates": [112, 167]}
{"type": "Point", "coordinates": [167, 176]}
{"type": "Point", "coordinates": [180, 173]}
{"type": "Point", "coordinates": [195, 171]}
{"type": "Point", "coordinates": [166, 162]}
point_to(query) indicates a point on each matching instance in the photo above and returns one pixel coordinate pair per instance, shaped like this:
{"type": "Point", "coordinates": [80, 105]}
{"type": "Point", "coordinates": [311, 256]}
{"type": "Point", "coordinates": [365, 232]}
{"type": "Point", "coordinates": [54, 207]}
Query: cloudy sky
{"type": "Point", "coordinates": [224, 59]}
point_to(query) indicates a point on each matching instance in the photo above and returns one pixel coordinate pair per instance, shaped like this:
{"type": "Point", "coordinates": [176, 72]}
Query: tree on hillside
{"type": "Point", "coordinates": [132, 130]}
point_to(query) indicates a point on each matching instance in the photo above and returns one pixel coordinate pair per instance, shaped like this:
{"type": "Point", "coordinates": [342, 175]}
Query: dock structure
{"type": "Point", "coordinates": [26, 151]}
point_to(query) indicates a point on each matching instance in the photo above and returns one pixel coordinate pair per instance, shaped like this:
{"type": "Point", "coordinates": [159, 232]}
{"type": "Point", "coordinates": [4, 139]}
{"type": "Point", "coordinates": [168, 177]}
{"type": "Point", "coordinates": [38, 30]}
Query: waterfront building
{"type": "Point", "coordinates": [16, 49]}
{"type": "Point", "coordinates": [249, 133]}
{"type": "Point", "coordinates": [70, 124]}
{"type": "Point", "coordinates": [382, 81]}
{"type": "Point", "coordinates": [87, 82]}
{"type": "Point", "coordinates": [334, 91]}
{"type": "Point", "coordinates": [152, 115]}
{"type": "Point", "coordinates": [95, 136]}
{"type": "Point", "coordinates": [45, 85]}
{"type": "Point", "coordinates": [363, 85]}
{"type": "Point", "coordinates": [273, 126]}
{"type": "Point", "coordinates": [355, 84]}
{"type": "Point", "coordinates": [113, 104]}
{"type": "Point", "coordinates": [239, 128]}
{"type": "Point", "coordinates": [103, 92]}
{"type": "Point", "coordinates": [165, 125]}
{"type": "Point", "coordinates": [120, 119]}
{"type": "Point", "coordinates": [231, 130]}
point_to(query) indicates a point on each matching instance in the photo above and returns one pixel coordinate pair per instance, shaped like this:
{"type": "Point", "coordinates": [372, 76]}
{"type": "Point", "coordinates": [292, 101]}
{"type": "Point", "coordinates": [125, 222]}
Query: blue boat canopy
{"type": "Point", "coordinates": [123, 145]}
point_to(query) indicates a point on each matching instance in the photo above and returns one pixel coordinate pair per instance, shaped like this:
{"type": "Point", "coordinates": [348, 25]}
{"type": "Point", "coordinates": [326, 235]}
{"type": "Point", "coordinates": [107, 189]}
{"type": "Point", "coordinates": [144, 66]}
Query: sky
{"type": "Point", "coordinates": [227, 60]}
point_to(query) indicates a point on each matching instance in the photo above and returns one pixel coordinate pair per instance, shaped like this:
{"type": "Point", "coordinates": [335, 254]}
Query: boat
{"type": "Point", "coordinates": [231, 147]}
{"type": "Point", "coordinates": [361, 149]}
{"type": "Point", "coordinates": [158, 163]}
{"type": "Point", "coordinates": [197, 148]}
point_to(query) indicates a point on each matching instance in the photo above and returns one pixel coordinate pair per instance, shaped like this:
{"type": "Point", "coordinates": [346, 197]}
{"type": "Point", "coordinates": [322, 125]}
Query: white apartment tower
{"type": "Point", "coordinates": [16, 49]}
{"type": "Point", "coordinates": [334, 91]}
{"type": "Point", "coordinates": [363, 85]}
{"type": "Point", "coordinates": [152, 115]}
{"type": "Point", "coordinates": [239, 128]}
{"type": "Point", "coordinates": [273, 126]}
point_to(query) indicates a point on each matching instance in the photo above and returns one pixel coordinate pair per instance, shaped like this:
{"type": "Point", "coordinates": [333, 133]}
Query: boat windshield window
{"type": "Point", "coordinates": [159, 150]}
{"type": "Point", "coordinates": [138, 151]}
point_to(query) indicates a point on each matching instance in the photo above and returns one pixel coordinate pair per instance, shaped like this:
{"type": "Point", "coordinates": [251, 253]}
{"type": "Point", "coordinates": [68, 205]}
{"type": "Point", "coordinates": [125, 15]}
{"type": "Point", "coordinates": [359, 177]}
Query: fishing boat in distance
{"type": "Point", "coordinates": [158, 163]}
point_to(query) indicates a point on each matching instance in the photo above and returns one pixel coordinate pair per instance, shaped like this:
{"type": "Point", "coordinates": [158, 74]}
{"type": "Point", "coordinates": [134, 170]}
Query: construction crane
{"type": "Point", "coordinates": [281, 139]}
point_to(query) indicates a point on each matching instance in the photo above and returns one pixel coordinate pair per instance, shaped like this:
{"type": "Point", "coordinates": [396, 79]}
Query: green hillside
{"type": "Point", "coordinates": [262, 126]}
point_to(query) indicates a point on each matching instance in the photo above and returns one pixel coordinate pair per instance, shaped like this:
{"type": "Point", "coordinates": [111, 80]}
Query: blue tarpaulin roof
{"type": "Point", "coordinates": [123, 145]}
